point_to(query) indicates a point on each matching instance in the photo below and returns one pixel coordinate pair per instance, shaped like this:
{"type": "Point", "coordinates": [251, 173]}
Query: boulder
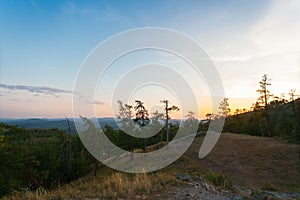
{"type": "Point", "coordinates": [183, 177]}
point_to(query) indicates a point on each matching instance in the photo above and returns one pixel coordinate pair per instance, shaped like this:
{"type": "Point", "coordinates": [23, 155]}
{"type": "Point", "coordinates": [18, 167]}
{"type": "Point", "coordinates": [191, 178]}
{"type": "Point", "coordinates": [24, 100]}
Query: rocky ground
{"type": "Point", "coordinates": [197, 188]}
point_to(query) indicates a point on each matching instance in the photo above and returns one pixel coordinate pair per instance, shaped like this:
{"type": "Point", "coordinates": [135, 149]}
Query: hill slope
{"type": "Point", "coordinates": [238, 163]}
{"type": "Point", "coordinates": [251, 161]}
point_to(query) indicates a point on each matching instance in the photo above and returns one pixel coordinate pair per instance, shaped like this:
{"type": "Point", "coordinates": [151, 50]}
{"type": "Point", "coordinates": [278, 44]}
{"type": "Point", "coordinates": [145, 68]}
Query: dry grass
{"type": "Point", "coordinates": [116, 185]}
{"type": "Point", "coordinates": [27, 194]}
{"type": "Point", "coordinates": [120, 185]}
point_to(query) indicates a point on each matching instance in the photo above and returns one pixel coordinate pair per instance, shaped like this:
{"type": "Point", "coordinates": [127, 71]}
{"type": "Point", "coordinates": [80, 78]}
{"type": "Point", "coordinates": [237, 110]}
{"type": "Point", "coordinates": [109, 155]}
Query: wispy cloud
{"type": "Point", "coordinates": [71, 8]}
{"type": "Point", "coordinates": [20, 100]}
{"type": "Point", "coordinates": [14, 99]}
{"type": "Point", "coordinates": [276, 34]}
{"type": "Point", "coordinates": [36, 90]}
{"type": "Point", "coordinates": [90, 100]}
{"type": "Point", "coordinates": [101, 12]}
{"type": "Point", "coordinates": [96, 102]}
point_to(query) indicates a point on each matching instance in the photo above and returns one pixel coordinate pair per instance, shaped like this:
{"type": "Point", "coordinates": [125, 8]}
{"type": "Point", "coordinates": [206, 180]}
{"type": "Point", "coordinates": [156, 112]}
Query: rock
{"type": "Point", "coordinates": [183, 177]}
{"type": "Point", "coordinates": [246, 192]}
{"type": "Point", "coordinates": [237, 197]}
{"type": "Point", "coordinates": [276, 195]}
{"type": "Point", "coordinates": [210, 188]}
{"type": "Point", "coordinates": [270, 194]}
{"type": "Point", "coordinates": [225, 192]}
{"type": "Point", "coordinates": [210, 196]}
{"type": "Point", "coordinates": [198, 178]}
{"type": "Point", "coordinates": [290, 195]}
{"type": "Point", "coordinates": [194, 185]}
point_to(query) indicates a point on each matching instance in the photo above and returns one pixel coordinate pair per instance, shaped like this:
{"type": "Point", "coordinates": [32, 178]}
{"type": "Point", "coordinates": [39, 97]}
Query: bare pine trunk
{"type": "Point", "coordinates": [297, 121]}
{"type": "Point", "coordinates": [145, 146]}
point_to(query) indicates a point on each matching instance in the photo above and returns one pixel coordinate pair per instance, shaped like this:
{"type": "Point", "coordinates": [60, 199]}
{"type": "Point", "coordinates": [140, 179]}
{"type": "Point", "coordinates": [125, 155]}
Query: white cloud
{"type": "Point", "coordinates": [96, 102]}
{"type": "Point", "coordinates": [271, 45]}
{"type": "Point", "coordinates": [278, 33]}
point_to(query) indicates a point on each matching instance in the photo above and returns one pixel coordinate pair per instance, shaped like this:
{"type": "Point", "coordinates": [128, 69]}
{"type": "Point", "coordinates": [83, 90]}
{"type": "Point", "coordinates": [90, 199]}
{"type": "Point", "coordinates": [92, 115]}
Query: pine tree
{"type": "Point", "coordinates": [141, 117]}
{"type": "Point", "coordinates": [263, 100]}
{"type": "Point", "coordinates": [167, 117]}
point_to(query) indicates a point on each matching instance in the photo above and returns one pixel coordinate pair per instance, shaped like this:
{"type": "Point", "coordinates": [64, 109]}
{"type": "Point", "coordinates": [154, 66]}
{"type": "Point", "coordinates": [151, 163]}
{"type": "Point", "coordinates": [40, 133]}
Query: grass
{"type": "Point", "coordinates": [110, 184]}
{"type": "Point", "coordinates": [28, 194]}
{"type": "Point", "coordinates": [218, 179]}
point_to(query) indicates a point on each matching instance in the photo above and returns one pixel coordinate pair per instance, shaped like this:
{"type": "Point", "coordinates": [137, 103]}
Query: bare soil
{"type": "Point", "coordinates": [252, 162]}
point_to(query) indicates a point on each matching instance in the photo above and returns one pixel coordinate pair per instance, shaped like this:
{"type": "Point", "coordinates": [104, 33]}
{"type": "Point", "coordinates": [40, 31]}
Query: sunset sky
{"type": "Point", "coordinates": [44, 43]}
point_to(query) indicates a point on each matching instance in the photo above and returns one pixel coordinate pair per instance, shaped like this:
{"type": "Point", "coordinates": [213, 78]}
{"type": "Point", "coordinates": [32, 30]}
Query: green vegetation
{"type": "Point", "coordinates": [108, 184]}
{"type": "Point", "coordinates": [218, 179]}
{"type": "Point", "coordinates": [270, 115]}
{"type": "Point", "coordinates": [35, 158]}
{"type": "Point", "coordinates": [282, 121]}
{"type": "Point", "coordinates": [39, 158]}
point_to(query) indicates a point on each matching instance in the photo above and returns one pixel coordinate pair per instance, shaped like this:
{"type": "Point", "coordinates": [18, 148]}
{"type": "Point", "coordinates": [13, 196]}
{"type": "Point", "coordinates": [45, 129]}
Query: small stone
{"type": "Point", "coordinates": [198, 178]}
{"type": "Point", "coordinates": [236, 197]}
{"type": "Point", "coordinates": [183, 177]}
{"type": "Point", "coordinates": [191, 184]}
{"type": "Point", "coordinates": [246, 192]}
{"type": "Point", "coordinates": [224, 192]}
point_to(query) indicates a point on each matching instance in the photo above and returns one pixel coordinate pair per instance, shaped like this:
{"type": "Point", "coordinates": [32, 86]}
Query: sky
{"type": "Point", "coordinates": [44, 43]}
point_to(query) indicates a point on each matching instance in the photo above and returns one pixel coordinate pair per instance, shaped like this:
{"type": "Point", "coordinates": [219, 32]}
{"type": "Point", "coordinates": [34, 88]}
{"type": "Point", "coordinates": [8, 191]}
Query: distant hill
{"type": "Point", "coordinates": [60, 123]}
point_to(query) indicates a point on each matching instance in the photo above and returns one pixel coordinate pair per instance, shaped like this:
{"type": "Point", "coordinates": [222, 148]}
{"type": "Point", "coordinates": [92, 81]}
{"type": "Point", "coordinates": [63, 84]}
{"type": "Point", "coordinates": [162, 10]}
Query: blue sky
{"type": "Point", "coordinates": [43, 44]}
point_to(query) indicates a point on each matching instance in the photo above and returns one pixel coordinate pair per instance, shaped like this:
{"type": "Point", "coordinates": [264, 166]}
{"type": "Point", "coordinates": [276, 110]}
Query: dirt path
{"type": "Point", "coordinates": [253, 162]}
